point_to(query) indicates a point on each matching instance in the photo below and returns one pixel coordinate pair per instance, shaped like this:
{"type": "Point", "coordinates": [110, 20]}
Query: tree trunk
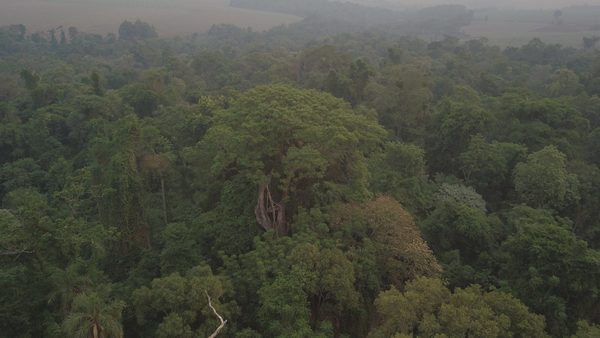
{"type": "Point", "coordinates": [164, 198]}
{"type": "Point", "coordinates": [95, 331]}
{"type": "Point", "coordinates": [260, 211]}
{"type": "Point", "coordinates": [270, 214]}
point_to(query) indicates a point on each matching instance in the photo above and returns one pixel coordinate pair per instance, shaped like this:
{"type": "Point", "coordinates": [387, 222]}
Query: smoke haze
{"type": "Point", "coordinates": [527, 4]}
{"type": "Point", "coordinates": [505, 22]}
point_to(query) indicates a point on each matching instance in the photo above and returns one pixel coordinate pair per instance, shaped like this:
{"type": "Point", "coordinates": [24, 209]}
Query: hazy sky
{"type": "Point", "coordinates": [494, 3]}
{"type": "Point", "coordinates": [184, 16]}
{"type": "Point", "coordinates": [173, 17]}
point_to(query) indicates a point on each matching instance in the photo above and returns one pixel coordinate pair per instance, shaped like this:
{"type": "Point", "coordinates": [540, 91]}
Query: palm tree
{"type": "Point", "coordinates": [93, 317]}
{"type": "Point", "coordinates": [67, 284]}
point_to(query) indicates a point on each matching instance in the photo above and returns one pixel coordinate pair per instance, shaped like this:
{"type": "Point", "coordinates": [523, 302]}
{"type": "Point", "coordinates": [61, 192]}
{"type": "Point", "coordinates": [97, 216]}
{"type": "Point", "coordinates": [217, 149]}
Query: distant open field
{"type": "Point", "coordinates": [512, 34]}
{"type": "Point", "coordinates": [172, 17]}
{"type": "Point", "coordinates": [515, 28]}
{"type": "Point", "coordinates": [523, 4]}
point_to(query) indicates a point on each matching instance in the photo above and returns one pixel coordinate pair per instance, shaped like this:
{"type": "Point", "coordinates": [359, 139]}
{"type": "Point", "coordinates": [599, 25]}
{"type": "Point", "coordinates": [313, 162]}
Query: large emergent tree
{"type": "Point", "coordinates": [301, 148]}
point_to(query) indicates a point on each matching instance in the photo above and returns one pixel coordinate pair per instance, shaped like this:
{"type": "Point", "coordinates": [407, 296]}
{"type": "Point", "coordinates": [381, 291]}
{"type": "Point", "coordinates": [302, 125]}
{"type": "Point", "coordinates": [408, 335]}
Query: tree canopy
{"type": "Point", "coordinates": [328, 178]}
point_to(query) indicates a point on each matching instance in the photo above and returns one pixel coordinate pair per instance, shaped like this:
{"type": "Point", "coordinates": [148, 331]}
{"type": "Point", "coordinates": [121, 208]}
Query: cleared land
{"type": "Point", "coordinates": [515, 28]}
{"type": "Point", "coordinates": [104, 16]}
{"type": "Point", "coordinates": [510, 34]}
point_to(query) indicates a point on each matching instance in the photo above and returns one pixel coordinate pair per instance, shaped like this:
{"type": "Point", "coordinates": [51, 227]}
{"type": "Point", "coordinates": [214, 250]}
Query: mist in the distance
{"type": "Point", "coordinates": [525, 4]}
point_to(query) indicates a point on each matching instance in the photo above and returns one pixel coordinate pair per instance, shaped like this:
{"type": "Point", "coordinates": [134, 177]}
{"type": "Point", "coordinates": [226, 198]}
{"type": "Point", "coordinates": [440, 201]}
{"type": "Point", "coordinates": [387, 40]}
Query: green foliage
{"type": "Point", "coordinates": [92, 316]}
{"type": "Point", "coordinates": [488, 167]}
{"type": "Point", "coordinates": [179, 252]}
{"type": "Point", "coordinates": [594, 146]}
{"type": "Point", "coordinates": [585, 330]}
{"type": "Point", "coordinates": [402, 95]}
{"type": "Point", "coordinates": [543, 122]}
{"type": "Point", "coordinates": [284, 308]}
{"type": "Point", "coordinates": [33, 227]}
{"type": "Point", "coordinates": [428, 308]}
{"type": "Point", "coordinates": [400, 171]}
{"type": "Point", "coordinates": [565, 82]}
{"type": "Point", "coordinates": [20, 305]}
{"type": "Point", "coordinates": [177, 305]}
{"type": "Point", "coordinates": [143, 101]}
{"type": "Point", "coordinates": [585, 217]}
{"type": "Point", "coordinates": [400, 252]}
{"type": "Point", "coordinates": [463, 237]}
{"type": "Point", "coordinates": [22, 173]}
{"type": "Point", "coordinates": [543, 181]}
{"type": "Point", "coordinates": [328, 279]}
{"type": "Point", "coordinates": [460, 194]}
{"type": "Point", "coordinates": [552, 271]}
{"type": "Point", "coordinates": [137, 30]}
{"type": "Point", "coordinates": [459, 118]}
{"type": "Point", "coordinates": [302, 148]}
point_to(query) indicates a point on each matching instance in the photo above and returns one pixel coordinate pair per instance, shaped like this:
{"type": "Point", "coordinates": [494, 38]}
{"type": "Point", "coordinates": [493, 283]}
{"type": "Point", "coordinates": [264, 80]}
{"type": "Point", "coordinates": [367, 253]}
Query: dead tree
{"type": "Point", "coordinates": [223, 322]}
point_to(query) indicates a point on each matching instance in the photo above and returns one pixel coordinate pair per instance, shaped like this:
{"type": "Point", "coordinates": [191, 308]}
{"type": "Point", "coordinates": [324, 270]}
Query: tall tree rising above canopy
{"type": "Point", "coordinates": [301, 148]}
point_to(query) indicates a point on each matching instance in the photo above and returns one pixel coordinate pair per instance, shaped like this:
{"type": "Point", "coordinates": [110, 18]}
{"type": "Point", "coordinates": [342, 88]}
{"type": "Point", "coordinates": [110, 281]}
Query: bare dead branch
{"type": "Point", "coordinates": [223, 322]}
{"type": "Point", "coordinates": [15, 253]}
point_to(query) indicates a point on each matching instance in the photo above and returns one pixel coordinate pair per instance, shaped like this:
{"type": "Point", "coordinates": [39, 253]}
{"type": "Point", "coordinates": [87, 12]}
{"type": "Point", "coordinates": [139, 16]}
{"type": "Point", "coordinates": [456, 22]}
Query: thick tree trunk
{"type": "Point", "coordinates": [270, 214]}
{"type": "Point", "coordinates": [95, 331]}
{"type": "Point", "coordinates": [164, 198]}
{"type": "Point", "coordinates": [260, 211]}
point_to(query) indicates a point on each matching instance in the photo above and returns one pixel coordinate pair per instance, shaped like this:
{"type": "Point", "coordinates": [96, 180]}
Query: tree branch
{"type": "Point", "coordinates": [15, 253]}
{"type": "Point", "coordinates": [223, 322]}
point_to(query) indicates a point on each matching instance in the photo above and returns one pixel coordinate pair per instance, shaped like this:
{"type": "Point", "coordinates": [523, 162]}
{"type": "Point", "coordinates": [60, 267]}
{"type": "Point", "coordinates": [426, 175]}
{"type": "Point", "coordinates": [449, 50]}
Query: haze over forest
{"type": "Point", "coordinates": [528, 4]}
{"type": "Point", "coordinates": [104, 16]}
{"type": "Point", "coordinates": [299, 169]}
{"type": "Point", "coordinates": [173, 17]}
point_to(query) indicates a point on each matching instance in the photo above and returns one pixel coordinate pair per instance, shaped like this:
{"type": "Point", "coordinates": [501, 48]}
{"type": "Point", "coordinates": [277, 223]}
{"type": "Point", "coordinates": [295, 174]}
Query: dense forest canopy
{"type": "Point", "coordinates": [304, 181]}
